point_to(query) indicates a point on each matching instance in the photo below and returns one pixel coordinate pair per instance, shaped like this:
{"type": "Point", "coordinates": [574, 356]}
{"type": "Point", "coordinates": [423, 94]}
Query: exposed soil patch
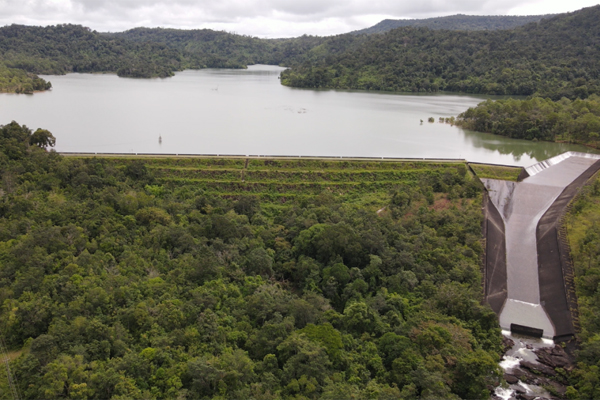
{"type": "Point", "coordinates": [441, 204]}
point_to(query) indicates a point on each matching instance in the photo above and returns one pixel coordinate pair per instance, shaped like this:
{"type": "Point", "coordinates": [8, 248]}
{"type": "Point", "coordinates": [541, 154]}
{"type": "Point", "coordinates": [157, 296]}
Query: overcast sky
{"type": "Point", "coordinates": [262, 18]}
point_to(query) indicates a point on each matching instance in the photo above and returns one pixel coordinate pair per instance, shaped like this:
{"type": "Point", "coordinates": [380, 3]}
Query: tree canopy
{"type": "Point", "coordinates": [557, 57]}
{"type": "Point", "coordinates": [175, 278]}
{"type": "Point", "coordinates": [458, 22]}
{"type": "Point", "coordinates": [537, 119]}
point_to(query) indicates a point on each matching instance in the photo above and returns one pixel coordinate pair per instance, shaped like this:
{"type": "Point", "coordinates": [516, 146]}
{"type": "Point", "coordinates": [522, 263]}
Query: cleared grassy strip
{"type": "Point", "coordinates": [202, 174]}
{"type": "Point", "coordinates": [216, 163]}
{"type": "Point", "coordinates": [279, 187]}
{"type": "Point", "coordinates": [291, 176]}
{"type": "Point", "coordinates": [343, 165]}
{"type": "Point", "coordinates": [336, 176]}
{"type": "Point", "coordinates": [496, 172]}
{"type": "Point", "coordinates": [421, 168]}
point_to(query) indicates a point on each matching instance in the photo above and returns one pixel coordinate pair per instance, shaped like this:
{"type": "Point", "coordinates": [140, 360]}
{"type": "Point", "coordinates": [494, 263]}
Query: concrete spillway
{"type": "Point", "coordinates": [521, 207]}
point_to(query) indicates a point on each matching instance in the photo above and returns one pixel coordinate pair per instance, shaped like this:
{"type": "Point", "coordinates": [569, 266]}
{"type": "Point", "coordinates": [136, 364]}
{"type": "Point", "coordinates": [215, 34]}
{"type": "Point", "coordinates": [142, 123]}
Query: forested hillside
{"type": "Point", "coordinates": [557, 57]}
{"type": "Point", "coordinates": [199, 278]}
{"type": "Point", "coordinates": [583, 223]}
{"type": "Point", "coordinates": [537, 119]}
{"type": "Point", "coordinates": [458, 22]}
{"type": "Point", "coordinates": [73, 48]}
{"type": "Point", "coordinates": [225, 50]}
{"type": "Point", "coordinates": [140, 53]}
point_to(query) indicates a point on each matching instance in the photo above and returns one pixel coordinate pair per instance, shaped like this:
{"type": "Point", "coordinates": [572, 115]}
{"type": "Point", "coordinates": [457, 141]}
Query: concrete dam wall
{"type": "Point", "coordinates": [528, 275]}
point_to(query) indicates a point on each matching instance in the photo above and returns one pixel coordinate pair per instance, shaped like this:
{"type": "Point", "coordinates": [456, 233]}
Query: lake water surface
{"type": "Point", "coordinates": [248, 112]}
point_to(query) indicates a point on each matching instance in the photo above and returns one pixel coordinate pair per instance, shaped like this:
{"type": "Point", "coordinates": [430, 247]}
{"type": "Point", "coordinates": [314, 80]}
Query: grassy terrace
{"type": "Point", "coordinates": [496, 172]}
{"type": "Point", "coordinates": [280, 179]}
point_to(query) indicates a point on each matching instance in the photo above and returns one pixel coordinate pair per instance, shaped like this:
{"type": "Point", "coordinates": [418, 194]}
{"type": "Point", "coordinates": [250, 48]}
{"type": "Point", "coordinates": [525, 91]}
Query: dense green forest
{"type": "Point", "coordinates": [458, 22]}
{"type": "Point", "coordinates": [215, 49]}
{"type": "Point", "coordinates": [232, 278]}
{"type": "Point", "coordinates": [557, 57]}
{"type": "Point", "coordinates": [73, 48]}
{"type": "Point", "coordinates": [537, 119]}
{"type": "Point", "coordinates": [138, 53]}
{"type": "Point", "coordinates": [583, 223]}
{"type": "Point", "coordinates": [14, 80]}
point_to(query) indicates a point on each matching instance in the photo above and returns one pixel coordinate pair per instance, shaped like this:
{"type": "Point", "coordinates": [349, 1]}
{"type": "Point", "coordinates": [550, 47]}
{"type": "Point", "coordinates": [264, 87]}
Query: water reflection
{"type": "Point", "coordinates": [524, 152]}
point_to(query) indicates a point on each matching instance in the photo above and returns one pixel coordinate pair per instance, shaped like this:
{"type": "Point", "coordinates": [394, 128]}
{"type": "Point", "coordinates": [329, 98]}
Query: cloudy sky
{"type": "Point", "coordinates": [262, 18]}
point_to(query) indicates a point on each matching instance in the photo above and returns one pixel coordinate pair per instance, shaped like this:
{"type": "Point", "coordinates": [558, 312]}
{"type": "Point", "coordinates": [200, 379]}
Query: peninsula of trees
{"type": "Point", "coordinates": [538, 119]}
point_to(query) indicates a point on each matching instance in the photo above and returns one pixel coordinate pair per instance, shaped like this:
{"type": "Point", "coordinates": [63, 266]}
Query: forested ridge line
{"type": "Point", "coordinates": [72, 48]}
{"type": "Point", "coordinates": [557, 57]}
{"type": "Point", "coordinates": [458, 22]}
{"type": "Point", "coordinates": [149, 279]}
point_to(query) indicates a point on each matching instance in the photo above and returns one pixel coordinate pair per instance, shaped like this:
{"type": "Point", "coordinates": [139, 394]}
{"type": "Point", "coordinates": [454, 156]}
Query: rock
{"type": "Point", "coordinates": [559, 351]}
{"type": "Point", "coordinates": [555, 357]}
{"type": "Point", "coordinates": [507, 343]}
{"type": "Point", "coordinates": [519, 390]}
{"type": "Point", "coordinates": [526, 397]}
{"type": "Point", "coordinates": [524, 376]}
{"type": "Point", "coordinates": [540, 368]}
{"type": "Point", "coordinates": [560, 389]}
{"type": "Point", "coordinates": [511, 379]}
{"type": "Point", "coordinates": [530, 347]}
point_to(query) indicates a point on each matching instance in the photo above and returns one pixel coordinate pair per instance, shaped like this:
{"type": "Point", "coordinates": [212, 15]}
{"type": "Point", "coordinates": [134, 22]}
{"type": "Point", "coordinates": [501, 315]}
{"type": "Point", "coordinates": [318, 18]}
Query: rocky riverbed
{"type": "Point", "coordinates": [534, 369]}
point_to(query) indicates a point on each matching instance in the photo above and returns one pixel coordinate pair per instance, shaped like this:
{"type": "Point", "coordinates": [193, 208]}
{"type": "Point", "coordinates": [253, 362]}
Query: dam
{"type": "Point", "coordinates": [528, 276]}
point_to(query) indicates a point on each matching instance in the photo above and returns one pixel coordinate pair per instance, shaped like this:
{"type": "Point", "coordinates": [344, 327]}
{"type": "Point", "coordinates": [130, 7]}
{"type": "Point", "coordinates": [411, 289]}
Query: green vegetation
{"type": "Point", "coordinates": [496, 172]}
{"type": "Point", "coordinates": [583, 225]}
{"type": "Point", "coordinates": [212, 49]}
{"type": "Point", "coordinates": [225, 278]}
{"type": "Point", "coordinates": [458, 22]}
{"type": "Point", "coordinates": [18, 81]}
{"type": "Point", "coordinates": [537, 119]}
{"type": "Point", "coordinates": [72, 48]}
{"type": "Point", "coordinates": [558, 57]}
{"type": "Point", "coordinates": [137, 53]}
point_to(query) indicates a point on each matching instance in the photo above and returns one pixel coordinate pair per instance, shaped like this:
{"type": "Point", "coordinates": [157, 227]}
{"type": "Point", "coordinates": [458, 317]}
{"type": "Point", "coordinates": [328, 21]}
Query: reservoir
{"type": "Point", "coordinates": [248, 112]}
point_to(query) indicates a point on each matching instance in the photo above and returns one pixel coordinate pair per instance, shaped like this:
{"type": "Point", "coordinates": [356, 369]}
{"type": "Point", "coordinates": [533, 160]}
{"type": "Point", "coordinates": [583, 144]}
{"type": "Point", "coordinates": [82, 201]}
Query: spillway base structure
{"type": "Point", "coordinates": [528, 274]}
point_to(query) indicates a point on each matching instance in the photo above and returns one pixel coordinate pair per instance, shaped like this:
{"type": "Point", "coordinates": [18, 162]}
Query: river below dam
{"type": "Point", "coordinates": [248, 112]}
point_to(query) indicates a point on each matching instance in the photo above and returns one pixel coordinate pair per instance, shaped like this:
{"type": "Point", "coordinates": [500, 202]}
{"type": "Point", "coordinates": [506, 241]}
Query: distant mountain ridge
{"type": "Point", "coordinates": [458, 22]}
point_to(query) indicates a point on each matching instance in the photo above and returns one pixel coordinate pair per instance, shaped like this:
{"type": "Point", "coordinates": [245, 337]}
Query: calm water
{"type": "Point", "coordinates": [248, 112]}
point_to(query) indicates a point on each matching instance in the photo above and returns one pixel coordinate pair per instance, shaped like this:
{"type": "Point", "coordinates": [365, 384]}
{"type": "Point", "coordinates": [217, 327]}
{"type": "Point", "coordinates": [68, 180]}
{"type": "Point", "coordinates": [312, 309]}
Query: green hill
{"type": "Point", "coordinates": [458, 22]}
{"type": "Point", "coordinates": [217, 49]}
{"type": "Point", "coordinates": [556, 57]}
{"type": "Point", "coordinates": [72, 48]}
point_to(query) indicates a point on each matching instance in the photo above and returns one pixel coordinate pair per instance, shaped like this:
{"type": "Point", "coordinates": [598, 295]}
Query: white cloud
{"type": "Point", "coordinates": [263, 18]}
